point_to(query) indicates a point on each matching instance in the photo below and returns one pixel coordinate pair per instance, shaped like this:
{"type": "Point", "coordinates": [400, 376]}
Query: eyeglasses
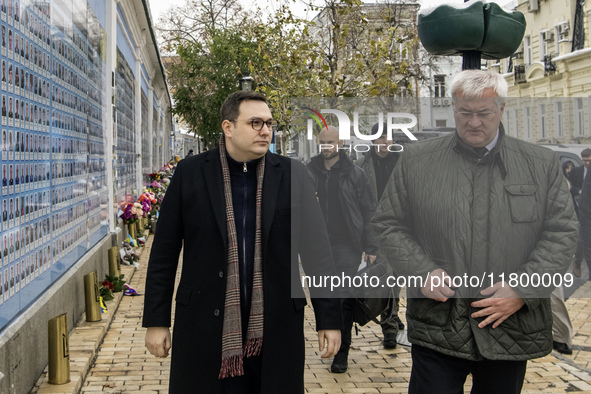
{"type": "Point", "coordinates": [482, 115]}
{"type": "Point", "coordinates": [257, 124]}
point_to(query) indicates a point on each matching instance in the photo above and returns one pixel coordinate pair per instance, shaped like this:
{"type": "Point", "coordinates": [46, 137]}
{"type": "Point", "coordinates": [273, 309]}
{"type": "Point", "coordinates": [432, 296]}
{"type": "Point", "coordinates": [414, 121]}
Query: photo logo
{"type": "Point", "coordinates": [317, 117]}
{"type": "Point", "coordinates": [345, 124]}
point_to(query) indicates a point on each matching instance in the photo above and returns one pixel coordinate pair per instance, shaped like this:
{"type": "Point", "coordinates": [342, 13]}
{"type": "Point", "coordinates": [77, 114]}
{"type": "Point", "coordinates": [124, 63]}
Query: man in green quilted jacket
{"type": "Point", "coordinates": [481, 226]}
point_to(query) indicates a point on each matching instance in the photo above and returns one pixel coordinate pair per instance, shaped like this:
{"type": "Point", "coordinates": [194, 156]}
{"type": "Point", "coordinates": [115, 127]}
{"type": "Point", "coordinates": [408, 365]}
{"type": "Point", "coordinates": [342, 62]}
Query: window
{"type": "Point", "coordinates": [543, 45]}
{"type": "Point", "coordinates": [527, 50]}
{"type": "Point", "coordinates": [557, 40]}
{"type": "Point", "coordinates": [515, 122]}
{"type": "Point", "coordinates": [526, 123]}
{"type": "Point", "coordinates": [439, 87]}
{"type": "Point", "coordinates": [542, 125]}
{"type": "Point", "coordinates": [558, 119]}
{"type": "Point", "coordinates": [441, 123]}
{"type": "Point", "coordinates": [579, 118]}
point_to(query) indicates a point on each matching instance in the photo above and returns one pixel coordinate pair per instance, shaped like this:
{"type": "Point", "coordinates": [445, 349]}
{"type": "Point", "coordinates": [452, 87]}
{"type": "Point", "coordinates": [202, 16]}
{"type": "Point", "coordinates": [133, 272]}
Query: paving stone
{"type": "Point", "coordinates": [123, 365]}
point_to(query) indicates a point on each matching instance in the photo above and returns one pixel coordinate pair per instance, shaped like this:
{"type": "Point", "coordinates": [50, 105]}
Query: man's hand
{"type": "Point", "coordinates": [438, 286]}
{"type": "Point", "coordinates": [158, 341]}
{"type": "Point", "coordinates": [504, 302]}
{"type": "Point", "coordinates": [333, 342]}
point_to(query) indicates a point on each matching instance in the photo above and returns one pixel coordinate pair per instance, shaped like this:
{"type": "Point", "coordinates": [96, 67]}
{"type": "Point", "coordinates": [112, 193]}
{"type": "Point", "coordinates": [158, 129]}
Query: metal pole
{"type": "Point", "coordinates": [471, 60]}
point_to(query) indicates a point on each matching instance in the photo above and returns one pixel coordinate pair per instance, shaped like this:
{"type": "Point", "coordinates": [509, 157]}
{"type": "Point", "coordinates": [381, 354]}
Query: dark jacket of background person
{"type": "Point", "coordinates": [576, 180]}
{"type": "Point", "coordinates": [585, 216]}
{"type": "Point", "coordinates": [193, 215]}
{"type": "Point", "coordinates": [509, 212]}
{"type": "Point", "coordinates": [356, 199]}
{"type": "Point", "coordinates": [367, 164]}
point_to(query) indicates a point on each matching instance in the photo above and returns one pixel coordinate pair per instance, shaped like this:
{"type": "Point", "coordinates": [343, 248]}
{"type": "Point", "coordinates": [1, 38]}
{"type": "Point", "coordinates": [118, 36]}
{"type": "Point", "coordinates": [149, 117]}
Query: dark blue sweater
{"type": "Point", "coordinates": [244, 186]}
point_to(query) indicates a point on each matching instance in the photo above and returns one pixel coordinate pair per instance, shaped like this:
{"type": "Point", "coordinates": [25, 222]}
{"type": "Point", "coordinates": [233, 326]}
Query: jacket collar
{"type": "Point", "coordinates": [212, 172]}
{"type": "Point", "coordinates": [494, 156]}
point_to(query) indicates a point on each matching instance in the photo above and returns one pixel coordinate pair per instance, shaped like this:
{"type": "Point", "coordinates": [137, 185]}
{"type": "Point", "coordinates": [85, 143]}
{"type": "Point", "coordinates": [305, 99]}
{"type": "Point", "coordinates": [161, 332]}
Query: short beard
{"type": "Point", "coordinates": [332, 155]}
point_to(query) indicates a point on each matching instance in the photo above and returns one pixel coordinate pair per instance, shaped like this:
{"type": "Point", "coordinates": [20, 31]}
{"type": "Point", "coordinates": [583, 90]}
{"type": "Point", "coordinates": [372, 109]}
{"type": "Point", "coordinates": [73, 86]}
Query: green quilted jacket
{"type": "Point", "coordinates": [507, 213]}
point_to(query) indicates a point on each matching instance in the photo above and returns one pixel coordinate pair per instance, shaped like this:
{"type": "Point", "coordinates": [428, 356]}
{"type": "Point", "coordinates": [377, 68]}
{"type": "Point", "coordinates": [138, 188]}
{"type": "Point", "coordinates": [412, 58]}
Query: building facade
{"type": "Point", "coordinates": [436, 107]}
{"type": "Point", "coordinates": [549, 76]}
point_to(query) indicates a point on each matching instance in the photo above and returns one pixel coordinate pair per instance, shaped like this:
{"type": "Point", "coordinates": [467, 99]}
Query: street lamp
{"type": "Point", "coordinates": [246, 83]}
{"type": "Point", "coordinates": [172, 145]}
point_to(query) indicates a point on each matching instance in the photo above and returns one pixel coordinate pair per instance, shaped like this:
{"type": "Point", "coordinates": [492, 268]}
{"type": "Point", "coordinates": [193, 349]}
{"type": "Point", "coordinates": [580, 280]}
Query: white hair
{"type": "Point", "coordinates": [471, 83]}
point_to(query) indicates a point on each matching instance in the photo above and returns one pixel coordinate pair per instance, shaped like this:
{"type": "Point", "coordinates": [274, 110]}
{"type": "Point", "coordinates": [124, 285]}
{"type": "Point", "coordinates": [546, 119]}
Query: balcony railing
{"type": "Point", "coordinates": [549, 66]}
{"type": "Point", "coordinates": [519, 73]}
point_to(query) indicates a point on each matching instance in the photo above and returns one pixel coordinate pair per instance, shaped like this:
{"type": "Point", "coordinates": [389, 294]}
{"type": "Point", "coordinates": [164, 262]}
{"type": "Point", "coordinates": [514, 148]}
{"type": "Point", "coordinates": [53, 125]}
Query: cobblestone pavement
{"type": "Point", "coordinates": [124, 366]}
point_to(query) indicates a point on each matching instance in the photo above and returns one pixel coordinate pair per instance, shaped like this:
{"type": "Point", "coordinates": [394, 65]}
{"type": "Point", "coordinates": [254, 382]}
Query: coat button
{"type": "Point", "coordinates": [221, 274]}
{"type": "Point", "coordinates": [216, 312]}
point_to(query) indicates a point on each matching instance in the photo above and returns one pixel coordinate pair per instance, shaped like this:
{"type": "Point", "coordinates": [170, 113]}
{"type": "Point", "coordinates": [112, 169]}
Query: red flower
{"type": "Point", "coordinates": [108, 284]}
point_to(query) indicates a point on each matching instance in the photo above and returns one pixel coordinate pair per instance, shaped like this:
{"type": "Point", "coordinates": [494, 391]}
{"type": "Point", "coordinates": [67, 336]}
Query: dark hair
{"type": "Point", "coordinates": [231, 107]}
{"type": "Point", "coordinates": [375, 127]}
{"type": "Point", "coordinates": [567, 164]}
{"type": "Point", "coordinates": [586, 152]}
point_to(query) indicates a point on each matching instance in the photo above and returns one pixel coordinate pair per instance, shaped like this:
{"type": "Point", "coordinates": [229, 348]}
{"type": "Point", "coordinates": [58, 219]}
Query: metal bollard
{"type": "Point", "coordinates": [59, 350]}
{"type": "Point", "coordinates": [114, 262]}
{"type": "Point", "coordinates": [92, 296]}
{"type": "Point", "coordinates": [153, 223]}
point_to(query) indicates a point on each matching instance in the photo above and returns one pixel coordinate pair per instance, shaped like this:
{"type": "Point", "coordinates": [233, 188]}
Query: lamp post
{"type": "Point", "coordinates": [476, 31]}
{"type": "Point", "coordinates": [172, 143]}
{"type": "Point", "coordinates": [246, 83]}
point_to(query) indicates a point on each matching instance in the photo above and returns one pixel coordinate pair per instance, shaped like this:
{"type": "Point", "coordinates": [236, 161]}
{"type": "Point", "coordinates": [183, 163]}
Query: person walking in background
{"type": "Point", "coordinates": [347, 206]}
{"type": "Point", "coordinates": [584, 214]}
{"type": "Point", "coordinates": [378, 164]}
{"type": "Point", "coordinates": [562, 328]}
{"type": "Point", "coordinates": [237, 328]}
{"type": "Point", "coordinates": [476, 203]}
{"type": "Point", "coordinates": [567, 167]}
{"type": "Point", "coordinates": [190, 153]}
{"type": "Point", "coordinates": [576, 177]}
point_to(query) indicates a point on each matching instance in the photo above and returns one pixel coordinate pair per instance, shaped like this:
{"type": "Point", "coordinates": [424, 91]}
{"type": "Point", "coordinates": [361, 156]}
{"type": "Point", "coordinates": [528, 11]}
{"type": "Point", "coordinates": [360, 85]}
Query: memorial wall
{"type": "Point", "coordinates": [85, 118]}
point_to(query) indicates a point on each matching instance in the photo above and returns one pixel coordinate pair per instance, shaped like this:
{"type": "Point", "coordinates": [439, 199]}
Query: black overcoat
{"type": "Point", "coordinates": [576, 179]}
{"type": "Point", "coordinates": [193, 215]}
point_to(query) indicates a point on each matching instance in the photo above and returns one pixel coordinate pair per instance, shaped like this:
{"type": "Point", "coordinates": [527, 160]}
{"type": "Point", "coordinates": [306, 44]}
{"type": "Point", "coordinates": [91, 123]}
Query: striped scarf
{"type": "Point", "coordinates": [232, 348]}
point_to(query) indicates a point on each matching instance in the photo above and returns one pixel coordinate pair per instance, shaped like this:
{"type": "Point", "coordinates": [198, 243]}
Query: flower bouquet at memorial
{"type": "Point", "coordinates": [154, 204]}
{"type": "Point", "coordinates": [106, 290]}
{"type": "Point", "coordinates": [115, 283]}
{"type": "Point", "coordinates": [165, 183]}
{"type": "Point", "coordinates": [130, 214]}
{"type": "Point", "coordinates": [155, 188]}
{"type": "Point", "coordinates": [129, 256]}
{"type": "Point", "coordinates": [146, 200]}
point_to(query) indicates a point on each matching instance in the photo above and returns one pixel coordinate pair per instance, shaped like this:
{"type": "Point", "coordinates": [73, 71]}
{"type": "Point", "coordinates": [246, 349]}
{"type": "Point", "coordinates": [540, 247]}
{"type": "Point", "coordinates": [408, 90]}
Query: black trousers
{"type": "Point", "coordinates": [437, 373]}
{"type": "Point", "coordinates": [249, 383]}
{"type": "Point", "coordinates": [580, 252]}
{"type": "Point", "coordinates": [347, 260]}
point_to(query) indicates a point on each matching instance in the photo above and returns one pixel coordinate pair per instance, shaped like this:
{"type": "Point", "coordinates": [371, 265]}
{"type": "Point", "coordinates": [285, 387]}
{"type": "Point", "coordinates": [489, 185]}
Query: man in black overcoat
{"type": "Point", "coordinates": [239, 292]}
{"type": "Point", "coordinates": [576, 177]}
